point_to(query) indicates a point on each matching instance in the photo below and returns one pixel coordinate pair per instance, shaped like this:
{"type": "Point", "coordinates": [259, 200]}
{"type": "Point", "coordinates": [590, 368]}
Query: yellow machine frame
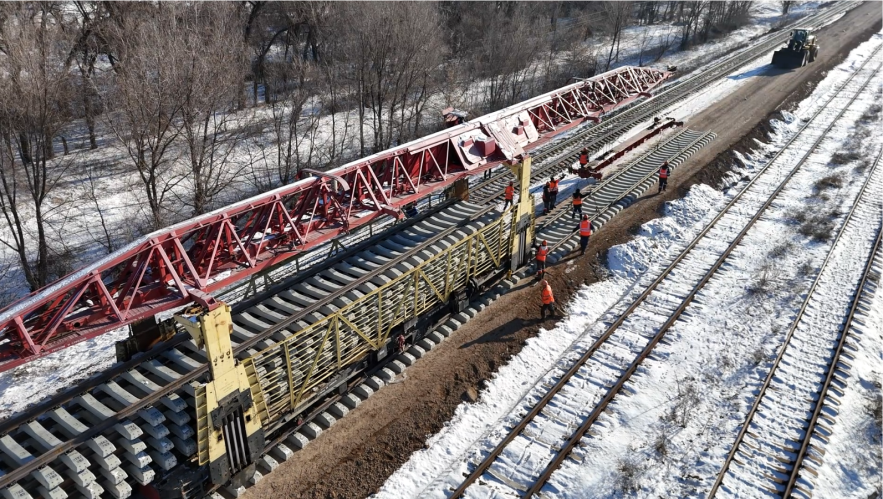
{"type": "Point", "coordinates": [229, 434]}
{"type": "Point", "coordinates": [284, 376]}
{"type": "Point", "coordinates": [523, 217]}
{"type": "Point", "coordinates": [242, 399]}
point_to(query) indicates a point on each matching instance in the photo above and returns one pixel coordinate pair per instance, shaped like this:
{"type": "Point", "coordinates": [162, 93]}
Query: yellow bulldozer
{"type": "Point", "coordinates": [802, 48]}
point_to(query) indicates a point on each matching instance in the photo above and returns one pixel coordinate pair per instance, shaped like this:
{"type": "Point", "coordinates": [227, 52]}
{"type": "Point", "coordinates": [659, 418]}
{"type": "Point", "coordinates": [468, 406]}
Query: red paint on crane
{"type": "Point", "coordinates": [188, 261]}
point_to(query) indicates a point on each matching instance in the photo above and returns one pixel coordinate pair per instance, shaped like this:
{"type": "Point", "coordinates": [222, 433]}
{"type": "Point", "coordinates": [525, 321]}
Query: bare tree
{"type": "Point", "coordinates": [35, 89]}
{"type": "Point", "coordinates": [147, 95]}
{"type": "Point", "coordinates": [502, 63]}
{"type": "Point", "coordinates": [85, 54]}
{"type": "Point", "coordinates": [786, 6]}
{"type": "Point", "coordinates": [293, 133]}
{"type": "Point", "coordinates": [395, 50]}
{"type": "Point", "coordinates": [213, 79]}
{"type": "Point", "coordinates": [91, 192]}
{"type": "Point", "coordinates": [618, 14]}
{"type": "Point", "coordinates": [690, 13]}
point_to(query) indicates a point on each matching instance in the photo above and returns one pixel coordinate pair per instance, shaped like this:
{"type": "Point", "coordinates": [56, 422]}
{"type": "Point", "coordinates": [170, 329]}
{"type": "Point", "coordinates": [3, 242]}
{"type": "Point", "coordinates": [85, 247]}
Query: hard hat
{"type": "Point", "coordinates": [585, 217]}
{"type": "Point", "coordinates": [544, 242]}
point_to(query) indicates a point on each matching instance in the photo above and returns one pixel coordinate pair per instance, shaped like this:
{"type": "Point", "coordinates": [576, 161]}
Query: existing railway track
{"type": "Point", "coordinates": [536, 446]}
{"type": "Point", "coordinates": [132, 424]}
{"type": "Point", "coordinates": [807, 375]}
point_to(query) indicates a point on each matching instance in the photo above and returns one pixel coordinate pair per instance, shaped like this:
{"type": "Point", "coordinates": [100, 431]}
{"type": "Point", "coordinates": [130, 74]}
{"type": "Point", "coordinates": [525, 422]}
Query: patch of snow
{"type": "Point", "coordinates": [720, 346]}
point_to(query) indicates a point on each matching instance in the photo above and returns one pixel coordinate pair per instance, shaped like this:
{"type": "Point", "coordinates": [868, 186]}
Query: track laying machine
{"type": "Point", "coordinates": [205, 398]}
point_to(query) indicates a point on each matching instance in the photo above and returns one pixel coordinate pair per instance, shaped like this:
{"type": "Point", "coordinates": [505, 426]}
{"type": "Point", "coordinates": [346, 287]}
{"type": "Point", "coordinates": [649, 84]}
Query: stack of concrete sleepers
{"type": "Point", "coordinates": [140, 449]}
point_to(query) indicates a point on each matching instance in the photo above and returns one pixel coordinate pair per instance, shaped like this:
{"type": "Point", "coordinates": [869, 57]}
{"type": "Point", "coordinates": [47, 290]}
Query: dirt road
{"type": "Point", "coordinates": [355, 457]}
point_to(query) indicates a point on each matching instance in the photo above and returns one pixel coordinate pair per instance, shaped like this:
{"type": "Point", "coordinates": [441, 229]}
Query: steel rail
{"type": "Point", "coordinates": [59, 399]}
{"type": "Point", "coordinates": [117, 369]}
{"type": "Point", "coordinates": [731, 455]}
{"type": "Point", "coordinates": [804, 447]}
{"type": "Point", "coordinates": [584, 427]}
{"type": "Point", "coordinates": [554, 217]}
{"type": "Point", "coordinates": [562, 382]}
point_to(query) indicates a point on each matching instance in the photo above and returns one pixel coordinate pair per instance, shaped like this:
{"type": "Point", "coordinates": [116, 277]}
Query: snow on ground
{"type": "Point", "coordinates": [119, 195]}
{"type": "Point", "coordinates": [550, 351]}
{"type": "Point", "coordinates": [669, 440]}
{"type": "Point", "coordinates": [684, 110]}
{"type": "Point", "coordinates": [852, 464]}
{"type": "Point", "coordinates": [641, 44]}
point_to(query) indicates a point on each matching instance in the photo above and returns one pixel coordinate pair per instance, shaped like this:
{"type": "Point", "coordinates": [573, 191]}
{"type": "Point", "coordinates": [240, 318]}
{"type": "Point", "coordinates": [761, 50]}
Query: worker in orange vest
{"type": "Point", "coordinates": [664, 173]}
{"type": "Point", "coordinates": [542, 253]}
{"type": "Point", "coordinates": [585, 230]}
{"type": "Point", "coordinates": [583, 158]}
{"type": "Point", "coordinates": [510, 194]}
{"type": "Point", "coordinates": [577, 203]}
{"type": "Point", "coordinates": [548, 300]}
{"type": "Point", "coordinates": [553, 191]}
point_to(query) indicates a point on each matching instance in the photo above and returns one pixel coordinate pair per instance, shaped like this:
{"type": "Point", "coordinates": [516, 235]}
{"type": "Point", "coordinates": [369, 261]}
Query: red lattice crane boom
{"type": "Point", "coordinates": [188, 261]}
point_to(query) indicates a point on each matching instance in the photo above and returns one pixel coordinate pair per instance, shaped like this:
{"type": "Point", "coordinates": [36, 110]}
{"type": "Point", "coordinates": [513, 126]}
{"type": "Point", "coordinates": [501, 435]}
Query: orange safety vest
{"type": "Point", "coordinates": [583, 159]}
{"type": "Point", "coordinates": [577, 200]}
{"type": "Point", "coordinates": [553, 185]}
{"type": "Point", "coordinates": [541, 253]}
{"type": "Point", "coordinates": [510, 191]}
{"type": "Point", "coordinates": [663, 172]}
{"type": "Point", "coordinates": [548, 297]}
{"type": "Point", "coordinates": [585, 228]}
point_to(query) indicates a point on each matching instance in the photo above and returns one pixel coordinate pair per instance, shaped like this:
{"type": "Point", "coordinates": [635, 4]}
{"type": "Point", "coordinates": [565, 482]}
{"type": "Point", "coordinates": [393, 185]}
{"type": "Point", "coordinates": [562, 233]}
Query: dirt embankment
{"type": "Point", "coordinates": [354, 458]}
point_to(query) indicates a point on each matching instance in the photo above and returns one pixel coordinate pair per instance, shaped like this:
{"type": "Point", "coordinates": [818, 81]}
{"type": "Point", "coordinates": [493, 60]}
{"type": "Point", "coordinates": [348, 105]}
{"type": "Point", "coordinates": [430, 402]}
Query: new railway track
{"type": "Point", "coordinates": [536, 446]}
{"type": "Point", "coordinates": [131, 424]}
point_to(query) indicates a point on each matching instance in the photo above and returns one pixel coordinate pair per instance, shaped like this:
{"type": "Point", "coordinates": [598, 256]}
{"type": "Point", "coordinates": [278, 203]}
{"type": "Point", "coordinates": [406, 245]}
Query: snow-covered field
{"type": "Point", "coordinates": [668, 436]}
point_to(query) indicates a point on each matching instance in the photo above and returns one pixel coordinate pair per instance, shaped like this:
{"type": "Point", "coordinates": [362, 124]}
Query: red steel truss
{"type": "Point", "coordinates": [185, 263]}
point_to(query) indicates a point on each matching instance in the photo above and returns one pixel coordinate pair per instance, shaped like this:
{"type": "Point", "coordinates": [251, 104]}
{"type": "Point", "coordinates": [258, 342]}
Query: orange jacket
{"type": "Point", "coordinates": [585, 228]}
{"type": "Point", "coordinates": [548, 297]}
{"type": "Point", "coordinates": [583, 159]}
{"type": "Point", "coordinates": [577, 200]}
{"type": "Point", "coordinates": [663, 172]}
{"type": "Point", "coordinates": [553, 186]}
{"type": "Point", "coordinates": [541, 253]}
{"type": "Point", "coordinates": [510, 191]}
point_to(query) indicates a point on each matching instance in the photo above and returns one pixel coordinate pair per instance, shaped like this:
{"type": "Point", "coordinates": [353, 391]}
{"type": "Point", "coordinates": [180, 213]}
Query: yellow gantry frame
{"type": "Point", "coordinates": [285, 375]}
{"type": "Point", "coordinates": [211, 329]}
